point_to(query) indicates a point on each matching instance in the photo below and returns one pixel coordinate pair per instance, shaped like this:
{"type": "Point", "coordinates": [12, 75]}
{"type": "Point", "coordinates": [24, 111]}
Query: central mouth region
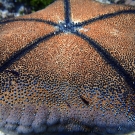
{"type": "Point", "coordinates": [68, 27]}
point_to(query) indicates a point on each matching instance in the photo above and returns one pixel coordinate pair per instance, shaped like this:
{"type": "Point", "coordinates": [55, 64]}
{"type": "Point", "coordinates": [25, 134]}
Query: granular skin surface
{"type": "Point", "coordinates": [69, 68]}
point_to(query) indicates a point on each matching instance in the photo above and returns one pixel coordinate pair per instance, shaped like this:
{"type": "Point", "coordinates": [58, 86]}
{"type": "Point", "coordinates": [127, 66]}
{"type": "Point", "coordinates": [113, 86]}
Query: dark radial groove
{"type": "Point", "coordinates": [29, 20]}
{"type": "Point", "coordinates": [17, 55]}
{"type": "Point", "coordinates": [105, 16]}
{"type": "Point", "coordinates": [109, 59]}
{"type": "Point", "coordinates": [67, 11]}
{"type": "Point", "coordinates": [15, 73]}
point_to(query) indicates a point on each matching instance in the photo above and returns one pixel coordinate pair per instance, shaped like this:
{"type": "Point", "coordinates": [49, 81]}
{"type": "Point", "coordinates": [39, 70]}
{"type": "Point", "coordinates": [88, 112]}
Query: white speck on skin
{"type": "Point", "coordinates": [115, 32]}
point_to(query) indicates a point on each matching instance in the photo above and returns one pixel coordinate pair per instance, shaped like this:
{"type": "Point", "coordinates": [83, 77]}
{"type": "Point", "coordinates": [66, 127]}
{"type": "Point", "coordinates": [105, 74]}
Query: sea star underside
{"type": "Point", "coordinates": [69, 67]}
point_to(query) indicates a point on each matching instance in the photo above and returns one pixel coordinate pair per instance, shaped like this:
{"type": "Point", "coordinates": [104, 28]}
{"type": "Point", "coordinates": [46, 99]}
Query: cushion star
{"type": "Point", "coordinates": [69, 67]}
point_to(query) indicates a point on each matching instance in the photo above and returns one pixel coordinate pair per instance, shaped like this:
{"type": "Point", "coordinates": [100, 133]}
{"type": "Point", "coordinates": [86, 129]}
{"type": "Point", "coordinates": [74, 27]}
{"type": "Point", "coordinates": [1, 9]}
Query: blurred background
{"type": "Point", "coordinates": [13, 8]}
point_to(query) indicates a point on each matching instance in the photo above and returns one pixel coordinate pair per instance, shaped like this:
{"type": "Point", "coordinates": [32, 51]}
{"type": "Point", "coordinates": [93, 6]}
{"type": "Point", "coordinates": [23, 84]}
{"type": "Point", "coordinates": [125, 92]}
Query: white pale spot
{"type": "Point", "coordinates": [115, 32]}
{"type": "Point", "coordinates": [1, 133]}
{"type": "Point", "coordinates": [8, 133]}
{"type": "Point", "coordinates": [77, 21]}
{"type": "Point", "coordinates": [58, 17]}
{"type": "Point", "coordinates": [84, 29]}
{"type": "Point", "coordinates": [133, 133]}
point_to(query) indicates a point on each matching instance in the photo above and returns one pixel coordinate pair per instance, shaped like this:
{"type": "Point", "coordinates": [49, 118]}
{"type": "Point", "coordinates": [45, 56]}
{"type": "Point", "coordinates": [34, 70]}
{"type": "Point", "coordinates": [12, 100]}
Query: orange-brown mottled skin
{"type": "Point", "coordinates": [64, 84]}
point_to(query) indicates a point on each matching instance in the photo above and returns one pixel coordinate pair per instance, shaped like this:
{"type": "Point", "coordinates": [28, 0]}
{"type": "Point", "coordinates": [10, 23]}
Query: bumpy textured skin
{"type": "Point", "coordinates": [69, 67]}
